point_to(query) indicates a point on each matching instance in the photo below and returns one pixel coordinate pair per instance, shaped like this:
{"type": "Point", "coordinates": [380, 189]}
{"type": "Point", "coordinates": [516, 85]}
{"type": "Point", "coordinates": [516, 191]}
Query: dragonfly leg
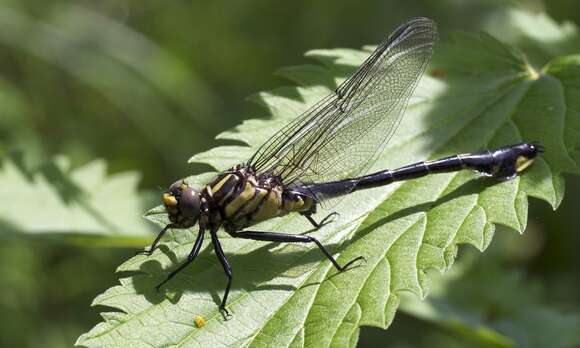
{"type": "Point", "coordinates": [227, 269]}
{"type": "Point", "coordinates": [155, 242]}
{"type": "Point", "coordinates": [292, 238]}
{"type": "Point", "coordinates": [327, 219]}
{"type": "Point", "coordinates": [192, 255]}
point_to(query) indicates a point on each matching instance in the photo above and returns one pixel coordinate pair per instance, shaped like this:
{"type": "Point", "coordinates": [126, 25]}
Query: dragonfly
{"type": "Point", "coordinates": [324, 154]}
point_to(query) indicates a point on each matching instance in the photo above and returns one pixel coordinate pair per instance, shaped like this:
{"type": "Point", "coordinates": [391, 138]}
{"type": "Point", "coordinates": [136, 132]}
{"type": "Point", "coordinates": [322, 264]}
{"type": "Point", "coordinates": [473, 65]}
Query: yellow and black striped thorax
{"type": "Point", "coordinates": [241, 199]}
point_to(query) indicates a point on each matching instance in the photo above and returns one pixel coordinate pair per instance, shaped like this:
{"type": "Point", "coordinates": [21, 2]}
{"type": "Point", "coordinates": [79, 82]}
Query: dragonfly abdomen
{"type": "Point", "coordinates": [503, 163]}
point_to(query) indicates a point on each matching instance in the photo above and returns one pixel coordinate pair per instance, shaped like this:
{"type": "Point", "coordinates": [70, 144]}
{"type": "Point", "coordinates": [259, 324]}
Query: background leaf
{"type": "Point", "coordinates": [510, 310]}
{"type": "Point", "coordinates": [83, 205]}
{"type": "Point", "coordinates": [285, 295]}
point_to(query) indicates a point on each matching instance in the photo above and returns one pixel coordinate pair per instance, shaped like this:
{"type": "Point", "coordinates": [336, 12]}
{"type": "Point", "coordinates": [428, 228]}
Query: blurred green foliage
{"type": "Point", "coordinates": [144, 84]}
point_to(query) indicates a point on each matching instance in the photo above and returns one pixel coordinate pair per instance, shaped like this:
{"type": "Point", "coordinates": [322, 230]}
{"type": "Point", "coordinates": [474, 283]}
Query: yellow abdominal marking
{"type": "Point", "coordinates": [522, 163]}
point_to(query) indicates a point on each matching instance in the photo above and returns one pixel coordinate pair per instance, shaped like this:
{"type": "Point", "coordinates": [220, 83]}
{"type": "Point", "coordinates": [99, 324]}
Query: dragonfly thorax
{"type": "Point", "coordinates": [239, 198]}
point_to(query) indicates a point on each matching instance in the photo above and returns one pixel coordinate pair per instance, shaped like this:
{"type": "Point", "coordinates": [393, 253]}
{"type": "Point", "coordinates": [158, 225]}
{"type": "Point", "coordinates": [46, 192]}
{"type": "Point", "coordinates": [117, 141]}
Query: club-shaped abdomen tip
{"type": "Point", "coordinates": [522, 162]}
{"type": "Point", "coordinates": [528, 153]}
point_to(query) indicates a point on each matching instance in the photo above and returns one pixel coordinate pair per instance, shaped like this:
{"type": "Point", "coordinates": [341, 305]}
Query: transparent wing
{"type": "Point", "coordinates": [338, 137]}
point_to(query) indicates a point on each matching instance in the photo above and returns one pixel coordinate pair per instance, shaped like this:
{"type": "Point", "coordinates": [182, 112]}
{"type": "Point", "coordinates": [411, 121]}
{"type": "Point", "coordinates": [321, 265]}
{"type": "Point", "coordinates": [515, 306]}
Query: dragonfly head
{"type": "Point", "coordinates": [182, 204]}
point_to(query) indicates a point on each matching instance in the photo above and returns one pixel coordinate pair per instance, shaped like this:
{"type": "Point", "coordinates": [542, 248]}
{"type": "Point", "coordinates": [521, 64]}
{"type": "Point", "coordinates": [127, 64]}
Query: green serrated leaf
{"type": "Point", "coordinates": [309, 75]}
{"type": "Point", "coordinates": [79, 205]}
{"type": "Point", "coordinates": [508, 311]}
{"type": "Point", "coordinates": [287, 295]}
{"type": "Point", "coordinates": [227, 156]}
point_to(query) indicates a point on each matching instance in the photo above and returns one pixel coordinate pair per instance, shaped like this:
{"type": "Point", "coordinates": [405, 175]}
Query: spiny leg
{"type": "Point", "coordinates": [155, 242]}
{"type": "Point", "coordinates": [292, 238]}
{"type": "Point", "coordinates": [190, 257]}
{"type": "Point", "coordinates": [227, 269]}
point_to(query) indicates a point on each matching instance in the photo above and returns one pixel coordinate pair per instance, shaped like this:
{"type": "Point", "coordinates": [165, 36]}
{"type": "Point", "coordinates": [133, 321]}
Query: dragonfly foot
{"type": "Point", "coordinates": [328, 219]}
{"type": "Point", "coordinates": [359, 258]}
{"type": "Point", "coordinates": [225, 313]}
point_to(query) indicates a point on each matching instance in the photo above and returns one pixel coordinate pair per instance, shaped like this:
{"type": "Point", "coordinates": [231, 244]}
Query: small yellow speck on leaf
{"type": "Point", "coordinates": [199, 321]}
